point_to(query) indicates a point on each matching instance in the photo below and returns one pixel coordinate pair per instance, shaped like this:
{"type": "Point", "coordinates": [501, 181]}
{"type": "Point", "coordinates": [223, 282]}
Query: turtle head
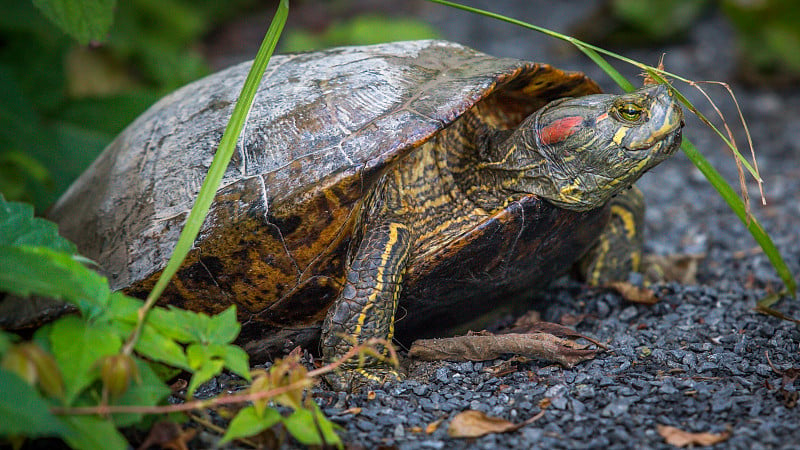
{"type": "Point", "coordinates": [578, 152]}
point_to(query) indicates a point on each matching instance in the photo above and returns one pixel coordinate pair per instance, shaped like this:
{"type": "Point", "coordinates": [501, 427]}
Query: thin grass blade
{"type": "Point", "coordinates": [222, 157]}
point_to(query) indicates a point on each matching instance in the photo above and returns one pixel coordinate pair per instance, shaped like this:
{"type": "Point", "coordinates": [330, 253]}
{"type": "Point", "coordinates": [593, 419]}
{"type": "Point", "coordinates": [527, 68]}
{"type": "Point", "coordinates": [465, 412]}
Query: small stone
{"type": "Point", "coordinates": [465, 367]}
{"type": "Point", "coordinates": [365, 425]}
{"type": "Point", "coordinates": [426, 405]}
{"type": "Point", "coordinates": [421, 390]}
{"type": "Point", "coordinates": [577, 407]}
{"type": "Point", "coordinates": [531, 434]}
{"type": "Point", "coordinates": [627, 314]}
{"type": "Point", "coordinates": [559, 402]}
{"type": "Point", "coordinates": [614, 409]}
{"type": "Point", "coordinates": [667, 388]}
{"type": "Point", "coordinates": [399, 431]}
{"type": "Point", "coordinates": [707, 366]}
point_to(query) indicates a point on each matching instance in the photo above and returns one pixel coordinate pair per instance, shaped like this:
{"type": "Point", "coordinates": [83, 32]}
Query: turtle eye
{"type": "Point", "coordinates": [629, 112]}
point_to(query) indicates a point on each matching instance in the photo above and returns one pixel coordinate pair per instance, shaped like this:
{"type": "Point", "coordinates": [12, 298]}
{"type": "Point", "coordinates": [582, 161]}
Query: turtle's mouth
{"type": "Point", "coordinates": [670, 144]}
{"type": "Point", "coordinates": [664, 147]}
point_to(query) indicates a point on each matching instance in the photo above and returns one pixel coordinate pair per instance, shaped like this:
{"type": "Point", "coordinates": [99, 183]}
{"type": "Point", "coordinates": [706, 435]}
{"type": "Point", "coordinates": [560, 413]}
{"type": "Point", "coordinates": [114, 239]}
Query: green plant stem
{"type": "Point", "coordinates": [223, 156]}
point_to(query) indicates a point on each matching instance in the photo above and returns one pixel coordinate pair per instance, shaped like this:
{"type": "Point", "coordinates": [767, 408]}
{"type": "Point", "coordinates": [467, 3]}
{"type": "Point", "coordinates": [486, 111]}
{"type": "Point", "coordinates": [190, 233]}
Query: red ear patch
{"type": "Point", "coordinates": [559, 130]}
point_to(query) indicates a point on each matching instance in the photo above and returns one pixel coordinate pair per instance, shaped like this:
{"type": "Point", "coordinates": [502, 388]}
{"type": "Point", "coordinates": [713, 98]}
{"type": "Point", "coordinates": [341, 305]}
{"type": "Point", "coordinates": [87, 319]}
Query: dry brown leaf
{"type": "Point", "coordinates": [354, 411]}
{"type": "Point", "coordinates": [680, 267]}
{"type": "Point", "coordinates": [433, 426]}
{"type": "Point", "coordinates": [530, 327]}
{"type": "Point", "coordinates": [168, 435]}
{"type": "Point", "coordinates": [481, 348]}
{"type": "Point", "coordinates": [472, 424]}
{"type": "Point", "coordinates": [506, 367]}
{"type": "Point", "coordinates": [679, 438]}
{"type": "Point", "coordinates": [633, 293]}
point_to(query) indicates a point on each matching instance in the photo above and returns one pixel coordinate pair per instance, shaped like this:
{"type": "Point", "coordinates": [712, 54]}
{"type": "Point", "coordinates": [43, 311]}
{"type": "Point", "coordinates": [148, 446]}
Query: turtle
{"type": "Point", "coordinates": [393, 190]}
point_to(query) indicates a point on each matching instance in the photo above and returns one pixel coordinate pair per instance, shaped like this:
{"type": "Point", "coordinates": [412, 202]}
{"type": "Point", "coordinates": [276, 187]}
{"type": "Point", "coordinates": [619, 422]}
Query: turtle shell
{"type": "Point", "coordinates": [323, 128]}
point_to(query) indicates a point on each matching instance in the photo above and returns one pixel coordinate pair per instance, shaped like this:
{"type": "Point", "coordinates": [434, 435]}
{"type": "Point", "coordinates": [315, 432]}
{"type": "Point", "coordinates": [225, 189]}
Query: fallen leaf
{"type": "Point", "coordinates": [633, 293]}
{"type": "Point", "coordinates": [168, 435]}
{"type": "Point", "coordinates": [680, 267]}
{"type": "Point", "coordinates": [472, 424]}
{"type": "Point", "coordinates": [679, 438]}
{"type": "Point", "coordinates": [544, 403]}
{"type": "Point", "coordinates": [481, 348]}
{"type": "Point", "coordinates": [528, 327]}
{"type": "Point", "coordinates": [507, 366]}
{"type": "Point", "coordinates": [433, 426]}
{"type": "Point", "coordinates": [354, 411]}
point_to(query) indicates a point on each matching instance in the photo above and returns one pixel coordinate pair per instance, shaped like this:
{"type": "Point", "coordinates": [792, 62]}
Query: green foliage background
{"type": "Point", "coordinates": [62, 102]}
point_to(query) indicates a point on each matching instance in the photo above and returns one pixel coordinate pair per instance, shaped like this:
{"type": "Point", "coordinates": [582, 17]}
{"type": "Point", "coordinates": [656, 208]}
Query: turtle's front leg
{"type": "Point", "coordinates": [618, 250]}
{"type": "Point", "coordinates": [366, 306]}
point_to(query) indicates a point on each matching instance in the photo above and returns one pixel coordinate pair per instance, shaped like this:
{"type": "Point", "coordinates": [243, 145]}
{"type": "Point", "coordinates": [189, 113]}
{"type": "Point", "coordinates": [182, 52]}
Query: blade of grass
{"type": "Point", "coordinates": [222, 157]}
{"type": "Point", "coordinates": [735, 203]}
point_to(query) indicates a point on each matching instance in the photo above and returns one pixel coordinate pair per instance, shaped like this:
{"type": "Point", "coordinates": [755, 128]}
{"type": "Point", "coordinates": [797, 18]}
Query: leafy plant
{"type": "Point", "coordinates": [61, 103]}
{"type": "Point", "coordinates": [106, 354]}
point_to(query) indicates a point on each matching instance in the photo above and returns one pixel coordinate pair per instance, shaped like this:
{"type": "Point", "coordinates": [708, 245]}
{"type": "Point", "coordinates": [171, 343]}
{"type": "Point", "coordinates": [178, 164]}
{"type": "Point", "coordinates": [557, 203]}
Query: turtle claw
{"type": "Point", "coordinates": [359, 379]}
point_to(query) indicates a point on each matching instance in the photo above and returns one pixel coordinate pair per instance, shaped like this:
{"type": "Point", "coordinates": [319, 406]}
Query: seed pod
{"type": "Point", "coordinates": [35, 366]}
{"type": "Point", "coordinates": [116, 372]}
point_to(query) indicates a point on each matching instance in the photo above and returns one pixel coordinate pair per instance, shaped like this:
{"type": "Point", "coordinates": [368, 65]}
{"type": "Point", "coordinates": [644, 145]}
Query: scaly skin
{"type": "Point", "coordinates": [576, 153]}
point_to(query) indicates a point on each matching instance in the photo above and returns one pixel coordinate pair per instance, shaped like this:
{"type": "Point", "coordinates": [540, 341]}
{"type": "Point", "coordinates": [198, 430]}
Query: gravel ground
{"type": "Point", "coordinates": [697, 360]}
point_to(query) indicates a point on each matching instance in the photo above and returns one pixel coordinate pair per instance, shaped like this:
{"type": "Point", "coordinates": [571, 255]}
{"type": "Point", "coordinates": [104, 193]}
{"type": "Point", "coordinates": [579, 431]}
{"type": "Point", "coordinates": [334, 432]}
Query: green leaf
{"type": "Point", "coordinates": [92, 432]}
{"type": "Point", "coordinates": [301, 425]}
{"type": "Point", "coordinates": [205, 364]}
{"type": "Point", "coordinates": [77, 347]}
{"type": "Point", "coordinates": [223, 327]}
{"type": "Point", "coordinates": [248, 423]}
{"type": "Point", "coordinates": [158, 347]}
{"type": "Point", "coordinates": [237, 361]}
{"type": "Point", "coordinates": [176, 323]}
{"type": "Point", "coordinates": [84, 20]}
{"type": "Point", "coordinates": [41, 271]}
{"type": "Point", "coordinates": [18, 227]}
{"type": "Point", "coordinates": [5, 341]}
{"type": "Point", "coordinates": [327, 427]}
{"type": "Point", "coordinates": [24, 412]}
